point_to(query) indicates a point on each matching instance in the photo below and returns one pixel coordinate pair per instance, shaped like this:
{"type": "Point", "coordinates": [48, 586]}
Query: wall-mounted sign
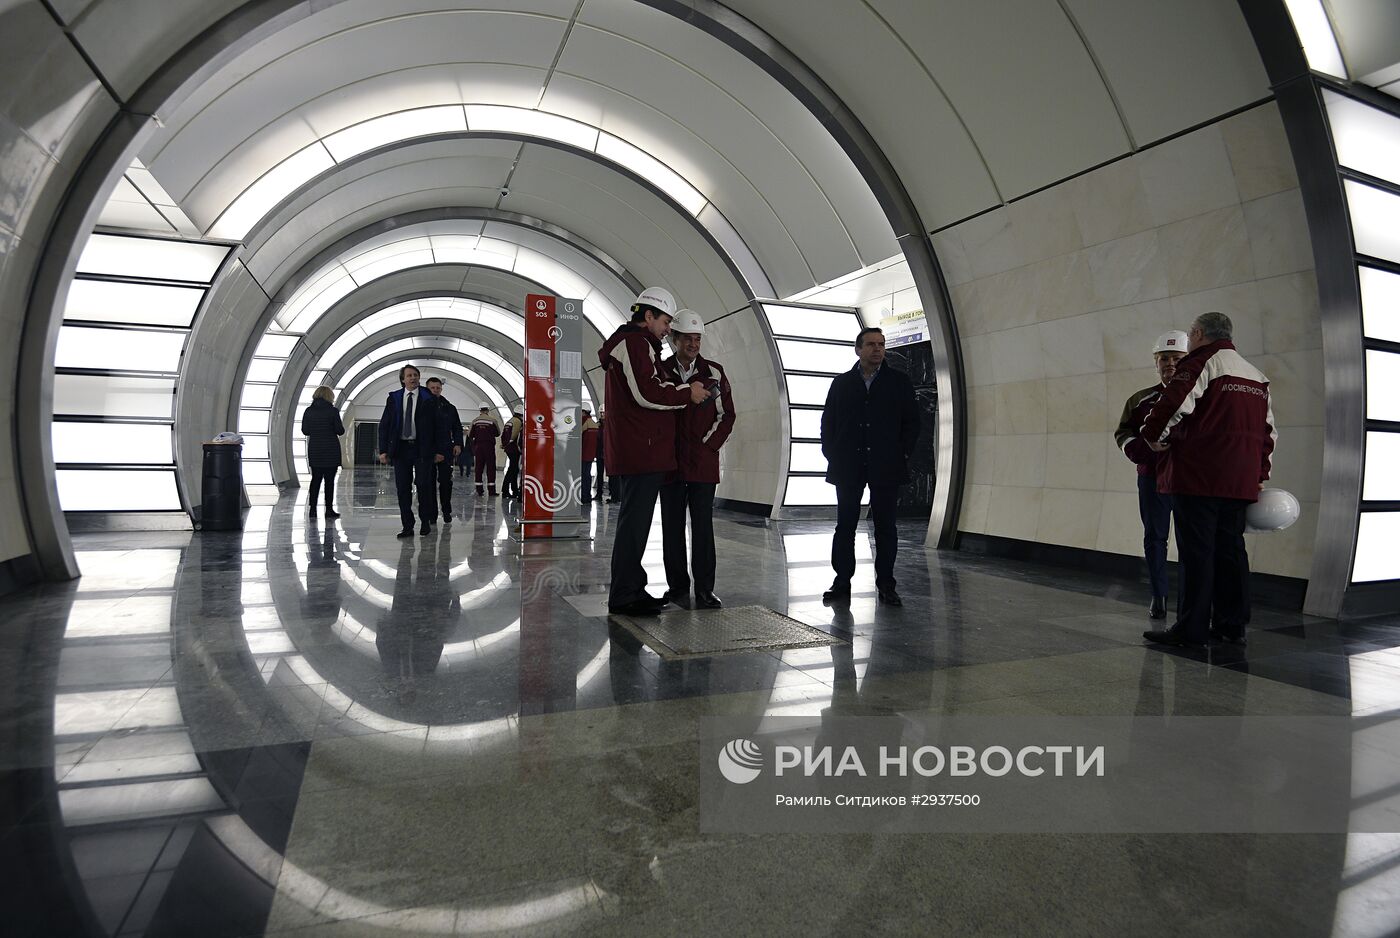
{"type": "Point", "coordinates": [904, 328]}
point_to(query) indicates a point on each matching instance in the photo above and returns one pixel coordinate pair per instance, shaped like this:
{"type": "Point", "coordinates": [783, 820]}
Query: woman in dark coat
{"type": "Point", "coordinates": [322, 427]}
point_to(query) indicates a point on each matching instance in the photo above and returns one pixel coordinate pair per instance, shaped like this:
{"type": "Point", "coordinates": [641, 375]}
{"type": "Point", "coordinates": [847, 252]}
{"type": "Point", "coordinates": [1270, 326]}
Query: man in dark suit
{"type": "Point", "coordinates": [869, 429]}
{"type": "Point", "coordinates": [413, 435]}
{"type": "Point", "coordinates": [452, 419]}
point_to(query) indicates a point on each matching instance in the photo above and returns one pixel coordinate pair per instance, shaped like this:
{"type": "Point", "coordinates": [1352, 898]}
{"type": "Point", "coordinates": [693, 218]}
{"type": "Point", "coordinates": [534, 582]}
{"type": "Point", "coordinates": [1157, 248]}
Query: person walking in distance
{"type": "Point", "coordinates": [870, 426]}
{"type": "Point", "coordinates": [1214, 423]}
{"type": "Point", "coordinates": [321, 425]}
{"type": "Point", "coordinates": [510, 442]}
{"type": "Point", "coordinates": [1154, 507]}
{"type": "Point", "coordinates": [641, 438]}
{"type": "Point", "coordinates": [701, 430]}
{"type": "Point", "coordinates": [483, 436]}
{"type": "Point", "coordinates": [453, 425]}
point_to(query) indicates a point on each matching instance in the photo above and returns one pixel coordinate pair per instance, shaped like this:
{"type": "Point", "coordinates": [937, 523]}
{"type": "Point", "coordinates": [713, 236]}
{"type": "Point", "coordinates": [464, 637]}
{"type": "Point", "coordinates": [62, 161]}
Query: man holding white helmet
{"type": "Point", "coordinates": [1154, 507]}
{"type": "Point", "coordinates": [701, 430]}
{"type": "Point", "coordinates": [1215, 425]}
{"type": "Point", "coordinates": [639, 438]}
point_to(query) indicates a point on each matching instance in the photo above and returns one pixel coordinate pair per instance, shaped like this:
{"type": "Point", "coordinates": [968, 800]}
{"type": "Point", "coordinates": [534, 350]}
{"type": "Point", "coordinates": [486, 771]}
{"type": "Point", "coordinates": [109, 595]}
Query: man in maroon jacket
{"type": "Point", "coordinates": [1215, 427]}
{"type": "Point", "coordinates": [1154, 507]}
{"type": "Point", "coordinates": [701, 430]}
{"type": "Point", "coordinates": [640, 438]}
{"type": "Point", "coordinates": [482, 436]}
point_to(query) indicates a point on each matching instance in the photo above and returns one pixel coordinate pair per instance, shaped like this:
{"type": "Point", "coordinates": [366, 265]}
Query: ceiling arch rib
{"type": "Point", "coordinates": [352, 387]}
{"type": "Point", "coordinates": [399, 249]}
{"type": "Point", "coordinates": [300, 169]}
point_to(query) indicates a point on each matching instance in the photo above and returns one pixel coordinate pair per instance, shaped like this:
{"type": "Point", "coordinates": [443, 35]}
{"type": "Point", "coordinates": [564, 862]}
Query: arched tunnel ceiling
{"type": "Point", "coordinates": [974, 103]}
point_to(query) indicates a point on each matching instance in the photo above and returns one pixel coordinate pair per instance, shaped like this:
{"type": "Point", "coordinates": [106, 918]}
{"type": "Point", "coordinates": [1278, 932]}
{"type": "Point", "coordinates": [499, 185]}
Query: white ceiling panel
{"type": "Point", "coordinates": [344, 198]}
{"type": "Point", "coordinates": [260, 103]}
{"type": "Point", "coordinates": [751, 211]}
{"type": "Point", "coordinates": [746, 86]}
{"type": "Point", "coordinates": [1026, 87]}
{"type": "Point", "coordinates": [584, 266]}
{"type": "Point", "coordinates": [661, 87]}
{"type": "Point", "coordinates": [1172, 65]}
{"type": "Point", "coordinates": [887, 88]}
{"type": "Point", "coordinates": [625, 220]}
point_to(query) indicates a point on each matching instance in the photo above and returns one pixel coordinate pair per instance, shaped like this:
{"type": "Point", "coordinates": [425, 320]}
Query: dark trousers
{"type": "Point", "coordinates": [1156, 511]}
{"type": "Point", "coordinates": [410, 470]}
{"type": "Point", "coordinates": [699, 498]}
{"type": "Point", "coordinates": [443, 470]}
{"type": "Point", "coordinates": [602, 477]}
{"type": "Point", "coordinates": [883, 499]}
{"type": "Point", "coordinates": [488, 465]}
{"type": "Point", "coordinates": [511, 485]}
{"type": "Point", "coordinates": [1214, 565]}
{"type": "Point", "coordinates": [318, 476]}
{"type": "Point", "coordinates": [629, 580]}
{"type": "Point", "coordinates": [614, 488]}
{"type": "Point", "coordinates": [586, 489]}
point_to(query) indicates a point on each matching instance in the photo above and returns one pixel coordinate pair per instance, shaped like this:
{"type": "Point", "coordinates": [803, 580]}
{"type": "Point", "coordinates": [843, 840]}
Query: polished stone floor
{"type": "Point", "coordinates": [312, 728]}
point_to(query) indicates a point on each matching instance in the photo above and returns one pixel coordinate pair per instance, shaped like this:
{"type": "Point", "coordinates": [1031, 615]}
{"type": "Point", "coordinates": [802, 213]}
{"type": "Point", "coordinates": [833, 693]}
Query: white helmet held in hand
{"type": "Point", "coordinates": [688, 320]}
{"type": "Point", "coordinates": [1174, 341]}
{"type": "Point", "coordinates": [1275, 510]}
{"type": "Point", "coordinates": [658, 298]}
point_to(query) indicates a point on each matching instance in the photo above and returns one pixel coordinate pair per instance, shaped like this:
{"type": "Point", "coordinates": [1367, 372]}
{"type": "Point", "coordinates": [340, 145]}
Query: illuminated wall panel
{"type": "Point", "coordinates": [128, 315]}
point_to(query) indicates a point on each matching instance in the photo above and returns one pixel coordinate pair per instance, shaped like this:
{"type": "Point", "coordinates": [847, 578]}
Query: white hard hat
{"type": "Point", "coordinates": [658, 298]}
{"type": "Point", "coordinates": [1275, 510]}
{"type": "Point", "coordinates": [1174, 341]}
{"type": "Point", "coordinates": [688, 320]}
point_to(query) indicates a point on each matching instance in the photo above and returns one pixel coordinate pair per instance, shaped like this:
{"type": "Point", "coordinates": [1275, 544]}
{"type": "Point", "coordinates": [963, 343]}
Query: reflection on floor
{"type": "Point", "coordinates": [312, 727]}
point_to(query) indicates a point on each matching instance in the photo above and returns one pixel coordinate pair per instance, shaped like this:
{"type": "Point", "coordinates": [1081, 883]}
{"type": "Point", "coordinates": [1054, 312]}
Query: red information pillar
{"type": "Point", "coordinates": [538, 450]}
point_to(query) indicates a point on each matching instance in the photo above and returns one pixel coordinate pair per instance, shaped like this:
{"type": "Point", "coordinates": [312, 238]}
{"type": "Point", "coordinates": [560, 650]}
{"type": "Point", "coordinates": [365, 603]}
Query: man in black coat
{"type": "Point", "coordinates": [414, 437]}
{"type": "Point", "coordinates": [452, 423]}
{"type": "Point", "coordinates": [869, 429]}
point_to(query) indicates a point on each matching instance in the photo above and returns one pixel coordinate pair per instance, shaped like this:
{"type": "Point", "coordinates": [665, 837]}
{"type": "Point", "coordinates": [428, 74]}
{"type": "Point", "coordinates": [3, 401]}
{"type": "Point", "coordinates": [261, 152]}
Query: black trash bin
{"type": "Point", "coordinates": [223, 487]}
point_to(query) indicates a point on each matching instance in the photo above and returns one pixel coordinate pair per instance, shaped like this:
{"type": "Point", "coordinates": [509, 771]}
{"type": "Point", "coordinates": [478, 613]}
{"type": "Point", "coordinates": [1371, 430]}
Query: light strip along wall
{"type": "Point", "coordinates": [814, 345]}
{"type": "Point", "coordinates": [129, 312]}
{"type": "Point", "coordinates": [1366, 138]}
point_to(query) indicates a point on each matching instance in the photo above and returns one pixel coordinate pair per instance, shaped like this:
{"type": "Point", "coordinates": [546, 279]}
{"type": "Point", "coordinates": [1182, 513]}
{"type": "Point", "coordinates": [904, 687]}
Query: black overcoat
{"type": "Point", "coordinates": [869, 436]}
{"type": "Point", "coordinates": [321, 425]}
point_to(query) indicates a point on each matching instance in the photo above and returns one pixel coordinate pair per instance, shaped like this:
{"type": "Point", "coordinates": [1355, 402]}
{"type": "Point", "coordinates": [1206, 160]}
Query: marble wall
{"type": "Point", "coordinates": [1059, 297]}
{"type": "Point", "coordinates": [749, 460]}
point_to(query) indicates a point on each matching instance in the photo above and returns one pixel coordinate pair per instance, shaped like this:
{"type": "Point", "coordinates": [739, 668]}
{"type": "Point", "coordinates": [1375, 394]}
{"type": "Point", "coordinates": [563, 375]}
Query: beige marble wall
{"type": "Point", "coordinates": [749, 460]}
{"type": "Point", "coordinates": [1060, 296]}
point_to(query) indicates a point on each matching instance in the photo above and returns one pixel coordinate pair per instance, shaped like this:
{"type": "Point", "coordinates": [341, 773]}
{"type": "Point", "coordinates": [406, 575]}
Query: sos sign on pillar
{"type": "Point", "coordinates": [553, 444]}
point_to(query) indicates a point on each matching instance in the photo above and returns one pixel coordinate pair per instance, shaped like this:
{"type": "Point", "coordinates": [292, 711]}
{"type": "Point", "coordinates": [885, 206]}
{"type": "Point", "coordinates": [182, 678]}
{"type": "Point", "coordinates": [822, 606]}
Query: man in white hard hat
{"type": "Point", "coordinates": [1215, 423]}
{"type": "Point", "coordinates": [1154, 507]}
{"type": "Point", "coordinates": [701, 430]}
{"type": "Point", "coordinates": [640, 438]}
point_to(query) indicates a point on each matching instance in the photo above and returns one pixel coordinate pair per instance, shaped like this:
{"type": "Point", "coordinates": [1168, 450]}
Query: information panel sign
{"type": "Point", "coordinates": [553, 445]}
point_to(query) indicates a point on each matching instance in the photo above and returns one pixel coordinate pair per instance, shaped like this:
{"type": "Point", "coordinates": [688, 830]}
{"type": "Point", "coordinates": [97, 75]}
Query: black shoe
{"type": "Point", "coordinates": [678, 598]}
{"type": "Point", "coordinates": [406, 532]}
{"type": "Point", "coordinates": [839, 593]}
{"type": "Point", "coordinates": [425, 528]}
{"type": "Point", "coordinates": [447, 518]}
{"type": "Point", "coordinates": [1230, 638]}
{"type": "Point", "coordinates": [644, 606]}
{"type": "Point", "coordinates": [1171, 636]}
{"type": "Point", "coordinates": [890, 598]}
{"type": "Point", "coordinates": [707, 600]}
{"type": "Point", "coordinates": [332, 513]}
{"type": "Point", "coordinates": [1158, 609]}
